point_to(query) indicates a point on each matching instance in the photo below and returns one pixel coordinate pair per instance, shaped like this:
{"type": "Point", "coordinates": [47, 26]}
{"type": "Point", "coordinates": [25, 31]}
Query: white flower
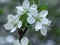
{"type": "Point", "coordinates": [32, 16]}
{"type": "Point", "coordinates": [44, 30]}
{"type": "Point", "coordinates": [25, 7]}
{"type": "Point", "coordinates": [24, 41]}
{"type": "Point", "coordinates": [40, 20]}
{"type": "Point", "coordinates": [43, 13]}
{"type": "Point", "coordinates": [16, 42]}
{"type": "Point", "coordinates": [13, 23]}
{"type": "Point", "coordinates": [30, 20]}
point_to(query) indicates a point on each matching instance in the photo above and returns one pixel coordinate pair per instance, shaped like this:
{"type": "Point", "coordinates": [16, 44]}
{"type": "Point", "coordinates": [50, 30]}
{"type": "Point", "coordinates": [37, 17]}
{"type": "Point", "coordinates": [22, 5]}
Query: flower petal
{"type": "Point", "coordinates": [8, 26]}
{"type": "Point", "coordinates": [13, 30]}
{"type": "Point", "coordinates": [33, 12]}
{"type": "Point", "coordinates": [19, 24]}
{"type": "Point", "coordinates": [30, 15]}
{"type": "Point", "coordinates": [38, 26]}
{"type": "Point", "coordinates": [24, 41]}
{"type": "Point", "coordinates": [45, 21]}
{"type": "Point", "coordinates": [43, 31]}
{"type": "Point", "coordinates": [34, 6]}
{"type": "Point", "coordinates": [16, 42]}
{"type": "Point", "coordinates": [20, 10]}
{"type": "Point", "coordinates": [49, 23]}
{"type": "Point", "coordinates": [26, 4]}
{"type": "Point", "coordinates": [31, 20]}
{"type": "Point", "coordinates": [13, 19]}
{"type": "Point", "coordinates": [43, 13]}
{"type": "Point", "coordinates": [10, 17]}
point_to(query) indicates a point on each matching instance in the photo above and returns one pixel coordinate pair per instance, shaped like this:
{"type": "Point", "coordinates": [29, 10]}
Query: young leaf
{"type": "Point", "coordinates": [42, 7]}
{"type": "Point", "coordinates": [36, 1]}
{"type": "Point", "coordinates": [23, 19]}
{"type": "Point", "coordinates": [33, 1]}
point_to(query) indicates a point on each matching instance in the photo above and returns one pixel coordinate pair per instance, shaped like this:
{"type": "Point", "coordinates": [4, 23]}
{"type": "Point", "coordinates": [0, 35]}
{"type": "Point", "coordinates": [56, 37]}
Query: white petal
{"type": "Point", "coordinates": [43, 31]}
{"type": "Point", "coordinates": [24, 41]}
{"type": "Point", "coordinates": [16, 42]}
{"type": "Point", "coordinates": [33, 12]}
{"type": "Point", "coordinates": [20, 10]}
{"type": "Point", "coordinates": [30, 15]}
{"type": "Point", "coordinates": [13, 30]}
{"type": "Point", "coordinates": [19, 24]}
{"type": "Point", "coordinates": [17, 16]}
{"type": "Point", "coordinates": [26, 4]}
{"type": "Point", "coordinates": [13, 19]}
{"type": "Point", "coordinates": [34, 6]}
{"type": "Point", "coordinates": [38, 26]}
{"type": "Point", "coordinates": [49, 23]}
{"type": "Point", "coordinates": [10, 17]}
{"type": "Point", "coordinates": [8, 26]}
{"type": "Point", "coordinates": [43, 13]}
{"type": "Point", "coordinates": [31, 20]}
{"type": "Point", "coordinates": [45, 21]}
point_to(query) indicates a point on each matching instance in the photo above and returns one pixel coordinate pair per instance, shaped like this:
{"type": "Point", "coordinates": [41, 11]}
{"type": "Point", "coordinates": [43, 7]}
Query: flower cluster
{"type": "Point", "coordinates": [40, 20]}
{"type": "Point", "coordinates": [32, 17]}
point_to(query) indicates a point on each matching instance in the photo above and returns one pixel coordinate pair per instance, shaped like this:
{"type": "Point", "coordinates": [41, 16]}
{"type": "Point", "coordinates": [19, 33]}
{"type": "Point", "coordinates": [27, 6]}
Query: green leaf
{"type": "Point", "coordinates": [36, 1]}
{"type": "Point", "coordinates": [33, 1]}
{"type": "Point", "coordinates": [42, 7]}
{"type": "Point", "coordinates": [23, 18]}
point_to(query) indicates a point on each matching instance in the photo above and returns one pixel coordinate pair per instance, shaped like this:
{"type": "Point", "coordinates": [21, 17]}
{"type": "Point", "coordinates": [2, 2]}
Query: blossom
{"type": "Point", "coordinates": [13, 23]}
{"type": "Point", "coordinates": [40, 20]}
{"type": "Point", "coordinates": [24, 41]}
{"type": "Point", "coordinates": [25, 7]}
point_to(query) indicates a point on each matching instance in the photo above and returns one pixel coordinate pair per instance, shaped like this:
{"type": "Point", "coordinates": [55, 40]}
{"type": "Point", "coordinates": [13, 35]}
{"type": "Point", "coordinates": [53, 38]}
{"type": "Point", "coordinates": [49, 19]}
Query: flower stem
{"type": "Point", "coordinates": [21, 33]}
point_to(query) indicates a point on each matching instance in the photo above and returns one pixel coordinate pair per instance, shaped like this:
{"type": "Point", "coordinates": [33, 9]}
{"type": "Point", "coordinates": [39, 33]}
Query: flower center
{"type": "Point", "coordinates": [37, 18]}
